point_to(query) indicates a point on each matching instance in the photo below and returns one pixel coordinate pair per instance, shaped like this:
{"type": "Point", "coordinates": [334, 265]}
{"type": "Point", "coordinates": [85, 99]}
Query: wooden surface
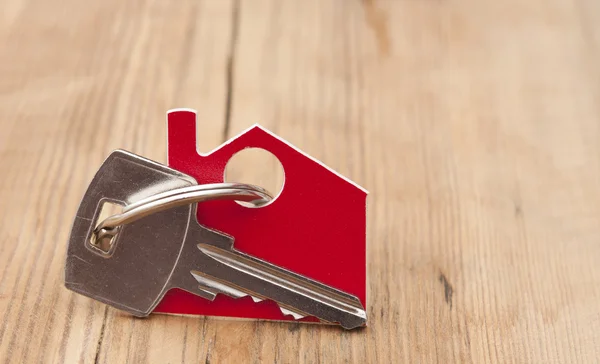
{"type": "Point", "coordinates": [474, 124]}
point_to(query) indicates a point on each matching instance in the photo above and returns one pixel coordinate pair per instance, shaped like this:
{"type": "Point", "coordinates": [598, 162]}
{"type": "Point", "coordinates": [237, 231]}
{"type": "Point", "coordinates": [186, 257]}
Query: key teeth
{"type": "Point", "coordinates": [297, 316]}
{"type": "Point", "coordinates": [213, 288]}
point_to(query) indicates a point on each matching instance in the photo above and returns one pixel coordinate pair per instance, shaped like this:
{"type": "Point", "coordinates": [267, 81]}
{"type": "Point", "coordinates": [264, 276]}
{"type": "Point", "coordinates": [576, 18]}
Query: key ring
{"type": "Point", "coordinates": [109, 227]}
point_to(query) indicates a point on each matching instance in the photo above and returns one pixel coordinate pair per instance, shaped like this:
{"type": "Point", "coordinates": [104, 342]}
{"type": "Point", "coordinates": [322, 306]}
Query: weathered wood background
{"type": "Point", "coordinates": [474, 124]}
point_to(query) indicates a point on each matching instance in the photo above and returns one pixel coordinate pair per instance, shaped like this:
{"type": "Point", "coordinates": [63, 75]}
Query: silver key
{"type": "Point", "coordinates": [168, 249]}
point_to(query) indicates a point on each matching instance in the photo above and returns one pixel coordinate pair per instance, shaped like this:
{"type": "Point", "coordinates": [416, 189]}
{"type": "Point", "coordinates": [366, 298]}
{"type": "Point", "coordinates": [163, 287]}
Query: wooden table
{"type": "Point", "coordinates": [474, 124]}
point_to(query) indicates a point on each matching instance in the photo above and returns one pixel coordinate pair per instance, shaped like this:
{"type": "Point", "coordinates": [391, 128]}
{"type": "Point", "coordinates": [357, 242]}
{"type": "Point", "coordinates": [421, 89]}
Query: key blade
{"type": "Point", "coordinates": [234, 273]}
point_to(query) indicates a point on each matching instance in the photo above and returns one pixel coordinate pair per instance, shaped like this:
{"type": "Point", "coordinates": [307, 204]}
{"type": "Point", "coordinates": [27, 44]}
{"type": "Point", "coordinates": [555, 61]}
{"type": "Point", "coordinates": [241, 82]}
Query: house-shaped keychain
{"type": "Point", "coordinates": [315, 227]}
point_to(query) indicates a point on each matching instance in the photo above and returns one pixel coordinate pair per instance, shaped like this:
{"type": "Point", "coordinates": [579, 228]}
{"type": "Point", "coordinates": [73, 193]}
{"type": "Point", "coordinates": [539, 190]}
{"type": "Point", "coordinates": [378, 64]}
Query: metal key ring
{"type": "Point", "coordinates": [255, 195]}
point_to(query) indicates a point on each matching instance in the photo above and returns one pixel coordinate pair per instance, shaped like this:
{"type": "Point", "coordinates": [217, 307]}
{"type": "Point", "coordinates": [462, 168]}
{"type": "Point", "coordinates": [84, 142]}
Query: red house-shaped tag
{"type": "Point", "coordinates": [316, 226]}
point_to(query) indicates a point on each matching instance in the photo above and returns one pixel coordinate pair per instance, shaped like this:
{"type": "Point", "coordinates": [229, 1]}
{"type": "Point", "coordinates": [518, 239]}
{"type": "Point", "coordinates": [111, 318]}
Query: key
{"type": "Point", "coordinates": [133, 268]}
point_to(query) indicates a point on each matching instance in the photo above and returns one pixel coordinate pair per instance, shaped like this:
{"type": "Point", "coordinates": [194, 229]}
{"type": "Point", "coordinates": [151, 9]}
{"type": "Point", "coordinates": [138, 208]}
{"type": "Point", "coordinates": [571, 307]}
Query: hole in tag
{"type": "Point", "coordinates": [258, 167]}
{"type": "Point", "coordinates": [107, 209]}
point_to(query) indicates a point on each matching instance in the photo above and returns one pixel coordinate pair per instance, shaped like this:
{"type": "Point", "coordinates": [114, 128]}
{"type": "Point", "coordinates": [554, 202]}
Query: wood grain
{"type": "Point", "coordinates": [474, 124]}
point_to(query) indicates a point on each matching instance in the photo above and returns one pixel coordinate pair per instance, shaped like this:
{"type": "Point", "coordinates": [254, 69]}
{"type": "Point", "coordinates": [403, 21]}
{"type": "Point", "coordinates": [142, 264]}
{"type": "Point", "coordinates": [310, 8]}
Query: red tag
{"type": "Point", "coordinates": [316, 226]}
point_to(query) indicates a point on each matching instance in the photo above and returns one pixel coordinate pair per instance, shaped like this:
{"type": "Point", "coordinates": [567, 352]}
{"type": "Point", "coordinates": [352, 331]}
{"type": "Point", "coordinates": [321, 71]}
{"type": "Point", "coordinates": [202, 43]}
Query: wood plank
{"type": "Point", "coordinates": [474, 124]}
{"type": "Point", "coordinates": [73, 89]}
